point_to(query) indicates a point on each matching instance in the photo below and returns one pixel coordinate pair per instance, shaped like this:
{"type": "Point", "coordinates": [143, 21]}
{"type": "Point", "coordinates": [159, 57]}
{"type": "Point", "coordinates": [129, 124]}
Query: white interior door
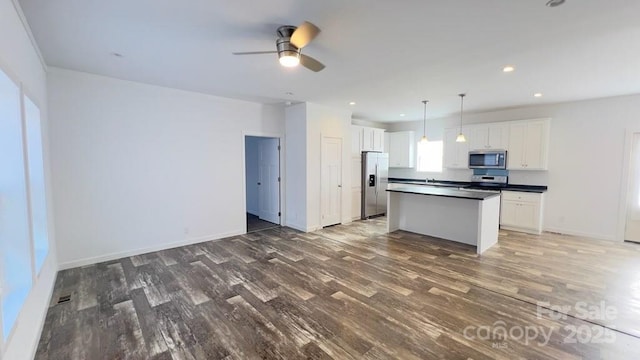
{"type": "Point", "coordinates": [269, 184]}
{"type": "Point", "coordinates": [331, 181]}
{"type": "Point", "coordinates": [632, 228]}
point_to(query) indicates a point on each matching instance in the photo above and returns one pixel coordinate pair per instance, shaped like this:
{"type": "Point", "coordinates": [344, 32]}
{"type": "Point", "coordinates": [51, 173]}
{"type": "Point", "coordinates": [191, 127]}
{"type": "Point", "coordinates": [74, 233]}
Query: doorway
{"type": "Point", "coordinates": [331, 184]}
{"type": "Point", "coordinates": [632, 224]}
{"type": "Point", "coordinates": [262, 179]}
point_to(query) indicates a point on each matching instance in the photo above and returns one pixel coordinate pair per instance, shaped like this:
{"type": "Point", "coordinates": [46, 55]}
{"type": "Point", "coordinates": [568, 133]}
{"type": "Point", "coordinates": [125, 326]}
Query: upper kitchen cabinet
{"type": "Point", "coordinates": [528, 145]}
{"type": "Point", "coordinates": [456, 155]}
{"type": "Point", "coordinates": [372, 139]}
{"type": "Point", "coordinates": [366, 139]}
{"type": "Point", "coordinates": [401, 149]}
{"type": "Point", "coordinates": [356, 140]}
{"type": "Point", "coordinates": [489, 136]}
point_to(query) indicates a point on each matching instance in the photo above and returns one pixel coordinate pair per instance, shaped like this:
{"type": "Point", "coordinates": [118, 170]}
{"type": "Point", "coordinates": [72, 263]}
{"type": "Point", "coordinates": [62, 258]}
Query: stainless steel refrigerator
{"type": "Point", "coordinates": [375, 178]}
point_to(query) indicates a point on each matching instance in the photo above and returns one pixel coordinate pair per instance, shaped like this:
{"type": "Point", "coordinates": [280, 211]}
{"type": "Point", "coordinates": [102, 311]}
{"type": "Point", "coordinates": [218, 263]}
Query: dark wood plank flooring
{"type": "Point", "coordinates": [254, 223]}
{"type": "Point", "coordinates": [352, 292]}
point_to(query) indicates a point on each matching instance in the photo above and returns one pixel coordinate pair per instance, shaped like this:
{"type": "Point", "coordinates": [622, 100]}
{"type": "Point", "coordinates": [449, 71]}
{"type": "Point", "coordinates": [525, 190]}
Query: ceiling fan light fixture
{"type": "Point", "coordinates": [289, 60]}
{"type": "Point", "coordinates": [289, 44]}
{"type": "Point", "coordinates": [288, 55]}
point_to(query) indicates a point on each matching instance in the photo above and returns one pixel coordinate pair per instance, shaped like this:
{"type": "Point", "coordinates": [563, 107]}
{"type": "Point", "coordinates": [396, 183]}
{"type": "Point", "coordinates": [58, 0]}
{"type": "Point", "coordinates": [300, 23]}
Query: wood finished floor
{"type": "Point", "coordinates": [254, 223]}
{"type": "Point", "coordinates": [348, 292]}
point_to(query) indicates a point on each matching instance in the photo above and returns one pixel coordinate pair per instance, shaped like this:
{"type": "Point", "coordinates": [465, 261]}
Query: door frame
{"type": "Point", "coordinates": [280, 138]}
{"type": "Point", "coordinates": [342, 186]}
{"type": "Point", "coordinates": [624, 182]}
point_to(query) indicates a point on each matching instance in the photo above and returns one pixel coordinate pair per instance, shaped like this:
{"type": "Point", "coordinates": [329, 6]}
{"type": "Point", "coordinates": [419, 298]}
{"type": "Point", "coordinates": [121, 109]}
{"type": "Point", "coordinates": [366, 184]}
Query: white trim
{"type": "Point", "coordinates": [124, 254]}
{"type": "Point", "coordinates": [296, 226]}
{"type": "Point", "coordinates": [624, 183]}
{"type": "Point", "coordinates": [281, 142]}
{"type": "Point", "coordinates": [27, 178]}
{"type": "Point", "coordinates": [322, 146]}
{"type": "Point", "coordinates": [27, 29]}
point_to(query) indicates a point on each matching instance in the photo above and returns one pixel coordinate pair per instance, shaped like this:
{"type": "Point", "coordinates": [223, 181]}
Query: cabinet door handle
{"type": "Point", "coordinates": [259, 184]}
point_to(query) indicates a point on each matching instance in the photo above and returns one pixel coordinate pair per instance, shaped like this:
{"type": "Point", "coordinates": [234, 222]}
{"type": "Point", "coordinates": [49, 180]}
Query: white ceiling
{"type": "Point", "coordinates": [385, 55]}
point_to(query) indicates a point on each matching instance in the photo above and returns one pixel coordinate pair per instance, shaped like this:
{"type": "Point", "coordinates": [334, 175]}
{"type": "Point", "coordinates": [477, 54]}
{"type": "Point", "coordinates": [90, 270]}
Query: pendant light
{"type": "Point", "coordinates": [461, 137]}
{"type": "Point", "coordinates": [424, 136]}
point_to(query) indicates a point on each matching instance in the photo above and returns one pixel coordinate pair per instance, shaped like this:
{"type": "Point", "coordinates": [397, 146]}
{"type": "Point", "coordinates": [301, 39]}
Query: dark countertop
{"type": "Point", "coordinates": [441, 191]}
{"type": "Point", "coordinates": [469, 185]}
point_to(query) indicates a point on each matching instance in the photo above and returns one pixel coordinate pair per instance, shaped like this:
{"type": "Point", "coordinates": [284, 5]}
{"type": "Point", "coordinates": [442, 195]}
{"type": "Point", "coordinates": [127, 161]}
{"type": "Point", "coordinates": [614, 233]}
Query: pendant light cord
{"type": "Point", "coordinates": [424, 132]}
{"type": "Point", "coordinates": [461, 106]}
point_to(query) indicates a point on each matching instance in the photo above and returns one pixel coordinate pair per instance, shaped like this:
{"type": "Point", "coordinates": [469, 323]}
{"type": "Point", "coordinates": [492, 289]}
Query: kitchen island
{"type": "Point", "coordinates": [466, 216]}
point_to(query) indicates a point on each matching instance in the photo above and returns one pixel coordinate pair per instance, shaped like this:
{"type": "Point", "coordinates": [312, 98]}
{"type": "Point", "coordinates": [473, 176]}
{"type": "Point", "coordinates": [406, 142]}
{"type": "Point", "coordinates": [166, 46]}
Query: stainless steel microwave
{"type": "Point", "coordinates": [488, 159]}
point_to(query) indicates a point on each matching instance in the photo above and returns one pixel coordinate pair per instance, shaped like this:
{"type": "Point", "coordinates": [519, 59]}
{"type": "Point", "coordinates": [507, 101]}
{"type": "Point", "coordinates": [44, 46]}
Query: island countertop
{"type": "Point", "coordinates": [440, 191]}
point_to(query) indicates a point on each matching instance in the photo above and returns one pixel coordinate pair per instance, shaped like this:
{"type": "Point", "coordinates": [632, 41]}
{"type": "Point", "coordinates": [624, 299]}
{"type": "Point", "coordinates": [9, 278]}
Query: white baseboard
{"type": "Point", "coordinates": [128, 253]}
{"type": "Point", "coordinates": [296, 226]}
{"type": "Point", "coordinates": [587, 235]}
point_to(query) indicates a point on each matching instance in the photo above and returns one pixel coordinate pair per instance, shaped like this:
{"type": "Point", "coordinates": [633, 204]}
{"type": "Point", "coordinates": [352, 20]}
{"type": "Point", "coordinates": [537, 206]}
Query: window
{"type": "Point", "coordinates": [36, 182]}
{"type": "Point", "coordinates": [430, 156]}
{"type": "Point", "coordinates": [14, 215]}
{"type": "Point", "coordinates": [22, 249]}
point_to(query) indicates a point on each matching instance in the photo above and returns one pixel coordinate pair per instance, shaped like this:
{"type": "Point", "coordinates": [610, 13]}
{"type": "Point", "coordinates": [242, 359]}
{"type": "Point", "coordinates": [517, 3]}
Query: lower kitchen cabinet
{"type": "Point", "coordinates": [521, 211]}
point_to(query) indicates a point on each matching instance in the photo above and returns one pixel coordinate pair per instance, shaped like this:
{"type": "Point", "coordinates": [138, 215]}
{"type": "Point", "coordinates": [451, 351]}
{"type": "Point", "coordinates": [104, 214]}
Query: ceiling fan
{"type": "Point", "coordinates": [289, 45]}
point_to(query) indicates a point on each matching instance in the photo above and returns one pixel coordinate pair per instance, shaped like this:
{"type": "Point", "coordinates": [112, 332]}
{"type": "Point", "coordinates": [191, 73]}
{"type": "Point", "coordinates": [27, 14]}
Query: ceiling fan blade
{"type": "Point", "coordinates": [304, 34]}
{"type": "Point", "coordinates": [254, 52]}
{"type": "Point", "coordinates": [311, 63]}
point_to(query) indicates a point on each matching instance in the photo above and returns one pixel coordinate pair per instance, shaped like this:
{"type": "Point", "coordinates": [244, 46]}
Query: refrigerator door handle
{"type": "Point", "coordinates": [376, 185]}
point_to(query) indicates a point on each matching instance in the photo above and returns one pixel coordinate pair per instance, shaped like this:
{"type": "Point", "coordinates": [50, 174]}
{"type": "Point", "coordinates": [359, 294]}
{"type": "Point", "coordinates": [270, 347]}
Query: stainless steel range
{"type": "Point", "coordinates": [491, 183]}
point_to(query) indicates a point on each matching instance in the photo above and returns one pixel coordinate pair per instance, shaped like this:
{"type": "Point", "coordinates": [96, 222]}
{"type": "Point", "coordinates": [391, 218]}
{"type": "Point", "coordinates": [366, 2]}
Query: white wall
{"type": "Point", "coordinates": [586, 152]}
{"type": "Point", "coordinates": [306, 124]}
{"type": "Point", "coordinates": [296, 169]}
{"type": "Point", "coordinates": [139, 168]}
{"type": "Point", "coordinates": [251, 173]}
{"type": "Point", "coordinates": [19, 59]}
{"type": "Point", "coordinates": [322, 122]}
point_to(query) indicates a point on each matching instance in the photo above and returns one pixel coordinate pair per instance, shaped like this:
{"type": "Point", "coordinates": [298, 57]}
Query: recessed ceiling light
{"type": "Point", "coordinates": [352, 103]}
{"type": "Point", "coordinates": [401, 115]}
{"type": "Point", "coordinates": [554, 3]}
{"type": "Point", "coordinates": [537, 94]}
{"type": "Point", "coordinates": [508, 68]}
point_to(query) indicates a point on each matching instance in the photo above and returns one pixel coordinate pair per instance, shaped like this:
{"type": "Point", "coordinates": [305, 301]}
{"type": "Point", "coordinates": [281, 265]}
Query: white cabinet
{"type": "Point", "coordinates": [456, 155]}
{"type": "Point", "coordinates": [378, 139]}
{"type": "Point", "coordinates": [528, 145]}
{"type": "Point", "coordinates": [356, 140]}
{"type": "Point", "coordinates": [385, 143]}
{"type": "Point", "coordinates": [356, 186]}
{"type": "Point", "coordinates": [489, 136]}
{"type": "Point", "coordinates": [372, 139]}
{"type": "Point", "coordinates": [401, 149]}
{"type": "Point", "coordinates": [521, 211]}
